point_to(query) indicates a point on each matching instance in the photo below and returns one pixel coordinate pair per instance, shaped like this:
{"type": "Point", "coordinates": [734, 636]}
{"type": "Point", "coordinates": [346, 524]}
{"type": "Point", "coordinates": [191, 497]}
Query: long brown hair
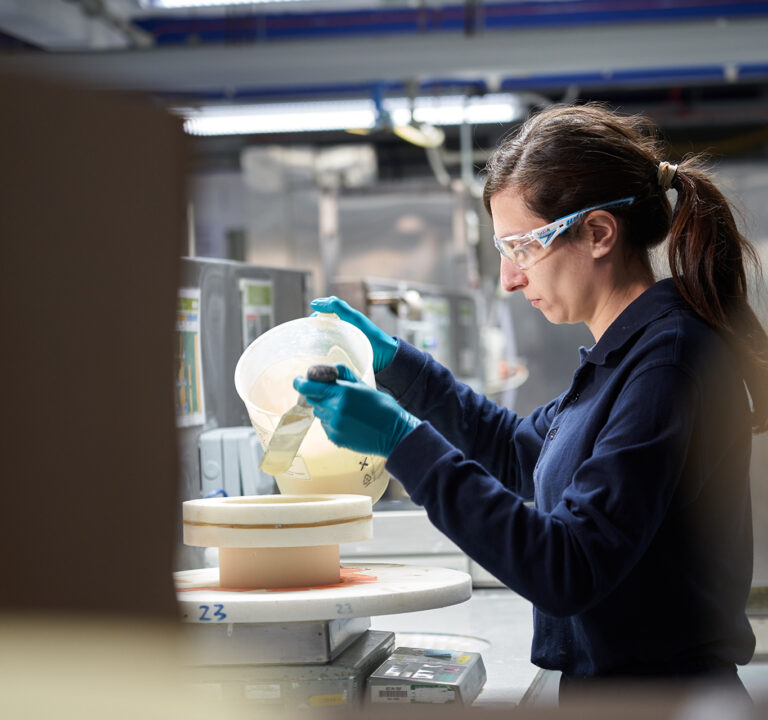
{"type": "Point", "coordinates": [566, 158]}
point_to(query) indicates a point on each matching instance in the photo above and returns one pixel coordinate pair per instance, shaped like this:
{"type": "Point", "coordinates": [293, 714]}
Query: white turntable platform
{"type": "Point", "coordinates": [364, 591]}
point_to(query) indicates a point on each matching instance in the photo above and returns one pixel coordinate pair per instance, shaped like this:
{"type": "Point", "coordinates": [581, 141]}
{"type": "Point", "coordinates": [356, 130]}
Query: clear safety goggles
{"type": "Point", "coordinates": [524, 250]}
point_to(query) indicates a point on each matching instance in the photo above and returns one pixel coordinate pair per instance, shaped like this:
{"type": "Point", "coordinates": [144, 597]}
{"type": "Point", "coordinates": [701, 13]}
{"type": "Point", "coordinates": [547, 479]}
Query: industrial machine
{"type": "Point", "coordinates": [439, 320]}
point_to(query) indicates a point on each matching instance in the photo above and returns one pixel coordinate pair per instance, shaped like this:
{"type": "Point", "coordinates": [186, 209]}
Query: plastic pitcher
{"type": "Point", "coordinates": [264, 381]}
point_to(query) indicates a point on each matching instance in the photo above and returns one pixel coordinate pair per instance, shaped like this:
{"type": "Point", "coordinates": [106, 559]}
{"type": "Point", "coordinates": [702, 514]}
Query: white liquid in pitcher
{"type": "Point", "coordinates": [330, 469]}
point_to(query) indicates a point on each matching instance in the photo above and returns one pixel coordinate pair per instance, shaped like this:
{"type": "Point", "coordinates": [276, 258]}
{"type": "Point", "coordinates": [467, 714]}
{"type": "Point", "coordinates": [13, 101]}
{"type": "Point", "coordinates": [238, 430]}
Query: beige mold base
{"type": "Point", "coordinates": [290, 567]}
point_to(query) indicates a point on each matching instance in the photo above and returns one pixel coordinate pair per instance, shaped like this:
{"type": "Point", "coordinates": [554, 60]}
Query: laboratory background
{"type": "Point", "coordinates": [180, 178]}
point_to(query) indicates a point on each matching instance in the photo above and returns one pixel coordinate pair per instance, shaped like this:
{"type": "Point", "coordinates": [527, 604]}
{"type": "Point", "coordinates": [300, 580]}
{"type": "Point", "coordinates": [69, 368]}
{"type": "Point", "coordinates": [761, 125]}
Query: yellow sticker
{"type": "Point", "coordinates": [462, 660]}
{"type": "Point", "coordinates": [322, 700]}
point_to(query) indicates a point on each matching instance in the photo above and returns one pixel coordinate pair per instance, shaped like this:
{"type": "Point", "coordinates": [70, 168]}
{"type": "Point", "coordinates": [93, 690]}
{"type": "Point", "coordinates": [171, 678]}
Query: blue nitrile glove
{"type": "Point", "coordinates": [355, 415]}
{"type": "Point", "coordinates": [384, 346]}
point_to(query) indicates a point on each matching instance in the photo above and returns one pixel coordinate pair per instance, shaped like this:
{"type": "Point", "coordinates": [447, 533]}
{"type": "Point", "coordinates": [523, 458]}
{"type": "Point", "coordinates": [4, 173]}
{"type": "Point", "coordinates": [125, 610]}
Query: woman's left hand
{"type": "Point", "coordinates": [355, 415]}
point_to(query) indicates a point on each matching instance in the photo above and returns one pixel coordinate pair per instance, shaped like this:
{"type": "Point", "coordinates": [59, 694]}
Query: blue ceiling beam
{"type": "Point", "coordinates": [492, 17]}
{"type": "Point", "coordinates": [714, 74]}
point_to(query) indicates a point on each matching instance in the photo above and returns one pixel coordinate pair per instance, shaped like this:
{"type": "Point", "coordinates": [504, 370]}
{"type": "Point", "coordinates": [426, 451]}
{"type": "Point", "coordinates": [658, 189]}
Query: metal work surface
{"type": "Point", "coordinates": [496, 623]}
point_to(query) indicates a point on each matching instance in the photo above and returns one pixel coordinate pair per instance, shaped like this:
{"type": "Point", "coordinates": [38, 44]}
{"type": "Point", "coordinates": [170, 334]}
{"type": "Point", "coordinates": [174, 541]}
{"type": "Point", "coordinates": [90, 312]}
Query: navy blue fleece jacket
{"type": "Point", "coordinates": [637, 553]}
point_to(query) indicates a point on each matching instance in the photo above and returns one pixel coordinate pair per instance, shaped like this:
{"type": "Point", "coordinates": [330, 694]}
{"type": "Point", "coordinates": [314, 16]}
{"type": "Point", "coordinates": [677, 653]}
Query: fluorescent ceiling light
{"type": "Point", "coordinates": [279, 118]}
{"type": "Point", "coordinates": [348, 114]}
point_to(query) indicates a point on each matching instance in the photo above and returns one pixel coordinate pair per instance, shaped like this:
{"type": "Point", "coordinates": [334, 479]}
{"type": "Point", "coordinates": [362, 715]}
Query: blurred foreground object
{"type": "Point", "coordinates": [88, 670]}
{"type": "Point", "coordinates": [72, 670]}
{"type": "Point", "coordinates": [92, 206]}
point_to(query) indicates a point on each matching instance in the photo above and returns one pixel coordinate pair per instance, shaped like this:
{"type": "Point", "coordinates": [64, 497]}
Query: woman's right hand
{"type": "Point", "coordinates": [384, 346]}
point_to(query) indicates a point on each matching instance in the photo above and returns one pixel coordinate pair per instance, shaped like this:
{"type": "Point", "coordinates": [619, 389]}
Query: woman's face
{"type": "Point", "coordinates": [560, 284]}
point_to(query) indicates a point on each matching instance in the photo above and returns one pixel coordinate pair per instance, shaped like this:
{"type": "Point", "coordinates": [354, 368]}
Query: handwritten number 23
{"type": "Point", "coordinates": [217, 615]}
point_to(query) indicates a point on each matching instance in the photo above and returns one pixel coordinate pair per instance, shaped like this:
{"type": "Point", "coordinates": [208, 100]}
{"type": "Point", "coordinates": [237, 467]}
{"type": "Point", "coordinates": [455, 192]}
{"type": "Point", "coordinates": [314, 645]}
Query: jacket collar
{"type": "Point", "coordinates": [656, 301]}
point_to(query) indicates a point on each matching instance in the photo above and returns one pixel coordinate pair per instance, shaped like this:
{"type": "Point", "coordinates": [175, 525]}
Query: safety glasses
{"type": "Point", "coordinates": [524, 250]}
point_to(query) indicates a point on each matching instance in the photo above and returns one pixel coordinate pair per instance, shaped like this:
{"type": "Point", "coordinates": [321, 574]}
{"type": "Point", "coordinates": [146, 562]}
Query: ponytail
{"type": "Point", "coordinates": [708, 259]}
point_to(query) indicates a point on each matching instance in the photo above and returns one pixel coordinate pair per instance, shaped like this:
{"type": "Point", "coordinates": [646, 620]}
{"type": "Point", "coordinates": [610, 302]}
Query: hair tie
{"type": "Point", "coordinates": [666, 174]}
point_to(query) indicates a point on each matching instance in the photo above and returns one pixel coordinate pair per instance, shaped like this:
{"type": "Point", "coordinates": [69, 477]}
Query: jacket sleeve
{"type": "Point", "coordinates": [571, 558]}
{"type": "Point", "coordinates": [505, 445]}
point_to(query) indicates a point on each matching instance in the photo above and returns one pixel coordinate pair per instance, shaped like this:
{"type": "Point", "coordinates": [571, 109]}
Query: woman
{"type": "Point", "coordinates": [637, 555]}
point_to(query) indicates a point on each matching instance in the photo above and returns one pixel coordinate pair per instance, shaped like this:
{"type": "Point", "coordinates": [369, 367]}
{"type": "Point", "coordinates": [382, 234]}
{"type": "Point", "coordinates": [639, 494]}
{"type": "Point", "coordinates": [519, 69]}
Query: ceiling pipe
{"type": "Point", "coordinates": [98, 11]}
{"type": "Point", "coordinates": [61, 25]}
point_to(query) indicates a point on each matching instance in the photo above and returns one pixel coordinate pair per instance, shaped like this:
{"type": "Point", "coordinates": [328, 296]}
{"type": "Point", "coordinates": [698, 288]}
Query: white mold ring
{"type": "Point", "coordinates": [277, 520]}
